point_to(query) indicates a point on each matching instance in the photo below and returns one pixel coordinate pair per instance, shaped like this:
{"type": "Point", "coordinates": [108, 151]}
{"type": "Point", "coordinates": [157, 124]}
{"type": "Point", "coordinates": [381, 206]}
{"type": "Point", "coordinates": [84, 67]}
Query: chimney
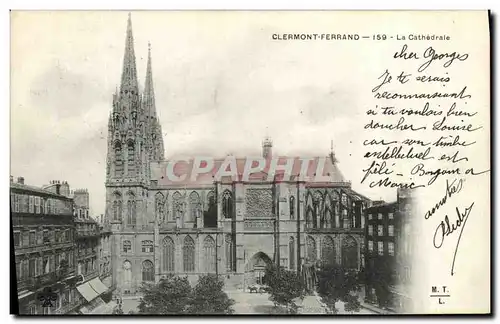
{"type": "Point", "coordinates": [20, 180]}
{"type": "Point", "coordinates": [11, 179]}
{"type": "Point", "coordinates": [58, 188]}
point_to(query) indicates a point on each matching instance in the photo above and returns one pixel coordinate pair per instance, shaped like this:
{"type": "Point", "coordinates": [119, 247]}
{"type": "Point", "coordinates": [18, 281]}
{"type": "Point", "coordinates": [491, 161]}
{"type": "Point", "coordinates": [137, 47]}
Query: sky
{"type": "Point", "coordinates": [222, 84]}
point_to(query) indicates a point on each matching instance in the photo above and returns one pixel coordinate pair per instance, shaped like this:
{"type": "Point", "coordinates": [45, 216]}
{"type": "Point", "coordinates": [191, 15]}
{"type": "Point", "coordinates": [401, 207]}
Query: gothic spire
{"type": "Point", "coordinates": [332, 153]}
{"type": "Point", "coordinates": [149, 94]}
{"type": "Point", "coordinates": [129, 72]}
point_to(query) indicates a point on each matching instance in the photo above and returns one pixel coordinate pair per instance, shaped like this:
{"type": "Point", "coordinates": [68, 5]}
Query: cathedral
{"type": "Point", "coordinates": [226, 227]}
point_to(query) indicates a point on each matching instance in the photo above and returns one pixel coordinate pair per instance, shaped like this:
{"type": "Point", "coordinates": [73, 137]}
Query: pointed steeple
{"type": "Point", "coordinates": [129, 72]}
{"type": "Point", "coordinates": [149, 93]}
{"type": "Point", "coordinates": [332, 153]}
{"type": "Point", "coordinates": [149, 106]}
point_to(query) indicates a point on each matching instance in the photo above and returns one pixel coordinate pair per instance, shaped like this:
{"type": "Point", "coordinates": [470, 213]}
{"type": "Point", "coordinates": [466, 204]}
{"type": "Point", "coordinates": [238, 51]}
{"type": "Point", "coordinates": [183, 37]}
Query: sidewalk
{"type": "Point", "coordinates": [376, 309]}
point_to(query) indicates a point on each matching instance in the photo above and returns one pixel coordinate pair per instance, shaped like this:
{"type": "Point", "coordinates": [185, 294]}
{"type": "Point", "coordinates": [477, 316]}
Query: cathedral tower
{"type": "Point", "coordinates": [134, 140]}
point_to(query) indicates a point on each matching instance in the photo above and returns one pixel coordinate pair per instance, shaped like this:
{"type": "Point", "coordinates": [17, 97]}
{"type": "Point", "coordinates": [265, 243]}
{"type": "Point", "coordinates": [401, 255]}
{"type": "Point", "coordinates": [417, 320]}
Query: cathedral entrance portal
{"type": "Point", "coordinates": [256, 268]}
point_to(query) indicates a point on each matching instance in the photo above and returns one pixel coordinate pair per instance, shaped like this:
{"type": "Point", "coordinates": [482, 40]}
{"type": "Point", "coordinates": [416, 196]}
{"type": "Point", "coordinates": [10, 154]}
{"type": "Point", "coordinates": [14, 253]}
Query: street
{"type": "Point", "coordinates": [256, 303]}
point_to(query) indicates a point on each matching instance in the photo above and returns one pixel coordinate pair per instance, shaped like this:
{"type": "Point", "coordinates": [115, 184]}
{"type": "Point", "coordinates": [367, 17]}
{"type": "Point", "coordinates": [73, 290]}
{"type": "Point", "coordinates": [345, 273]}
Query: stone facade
{"type": "Point", "coordinates": [230, 228]}
{"type": "Point", "coordinates": [389, 253]}
{"type": "Point", "coordinates": [45, 253]}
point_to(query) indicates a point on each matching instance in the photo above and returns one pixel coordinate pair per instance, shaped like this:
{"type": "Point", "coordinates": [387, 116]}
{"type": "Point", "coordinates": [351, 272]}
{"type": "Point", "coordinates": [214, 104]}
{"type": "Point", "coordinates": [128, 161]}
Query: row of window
{"type": "Point", "coordinates": [380, 216]}
{"type": "Point", "coordinates": [37, 237]}
{"type": "Point", "coordinates": [104, 268]}
{"type": "Point", "coordinates": [147, 246]}
{"type": "Point", "coordinates": [349, 251]}
{"type": "Point", "coordinates": [195, 209]}
{"type": "Point", "coordinates": [81, 213]}
{"type": "Point", "coordinates": [380, 230]}
{"type": "Point", "coordinates": [37, 266]}
{"type": "Point", "coordinates": [88, 266]}
{"type": "Point", "coordinates": [131, 209]}
{"type": "Point", "coordinates": [86, 227]}
{"type": "Point", "coordinates": [64, 298]}
{"type": "Point", "coordinates": [331, 220]}
{"type": "Point", "coordinates": [119, 162]}
{"type": "Point", "coordinates": [85, 251]}
{"type": "Point", "coordinates": [188, 254]}
{"type": "Point", "coordinates": [380, 248]}
{"type": "Point", "coordinates": [148, 272]}
{"type": "Point", "coordinates": [39, 205]}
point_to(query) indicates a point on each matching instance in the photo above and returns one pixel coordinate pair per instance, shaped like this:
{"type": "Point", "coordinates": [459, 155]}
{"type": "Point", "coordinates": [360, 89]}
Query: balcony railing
{"type": "Point", "coordinates": [45, 279]}
{"type": "Point", "coordinates": [87, 233]}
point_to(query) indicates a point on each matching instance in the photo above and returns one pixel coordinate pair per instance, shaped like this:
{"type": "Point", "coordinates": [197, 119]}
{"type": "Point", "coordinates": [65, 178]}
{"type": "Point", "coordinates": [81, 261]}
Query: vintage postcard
{"type": "Point", "coordinates": [250, 162]}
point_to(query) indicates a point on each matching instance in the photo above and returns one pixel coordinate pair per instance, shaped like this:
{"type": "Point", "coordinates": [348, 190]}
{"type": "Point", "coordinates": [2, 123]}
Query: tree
{"type": "Point", "coordinates": [208, 297]}
{"type": "Point", "coordinates": [284, 287]}
{"type": "Point", "coordinates": [337, 283]}
{"type": "Point", "coordinates": [172, 295]}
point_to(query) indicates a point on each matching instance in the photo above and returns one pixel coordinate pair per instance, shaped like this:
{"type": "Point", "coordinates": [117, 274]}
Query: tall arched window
{"type": "Point", "coordinates": [230, 265]}
{"type": "Point", "coordinates": [127, 273]}
{"type": "Point", "coordinates": [188, 254]}
{"type": "Point", "coordinates": [211, 198]}
{"type": "Point", "coordinates": [178, 207]}
{"type": "Point", "coordinates": [168, 255]}
{"type": "Point", "coordinates": [194, 207]}
{"type": "Point", "coordinates": [336, 214]}
{"type": "Point", "coordinates": [131, 158]}
{"type": "Point", "coordinates": [148, 271]}
{"type": "Point", "coordinates": [345, 218]}
{"type": "Point", "coordinates": [209, 254]}
{"type": "Point", "coordinates": [227, 204]}
{"type": "Point", "coordinates": [318, 217]}
{"type": "Point", "coordinates": [328, 250]}
{"type": "Point", "coordinates": [327, 212]}
{"type": "Point", "coordinates": [350, 252]}
{"type": "Point", "coordinates": [311, 249]}
{"type": "Point", "coordinates": [117, 207]}
{"type": "Point", "coordinates": [210, 214]}
{"type": "Point", "coordinates": [160, 206]}
{"type": "Point", "coordinates": [118, 159]}
{"type": "Point", "coordinates": [291, 253]}
{"type": "Point", "coordinates": [309, 211]}
{"type": "Point", "coordinates": [131, 209]}
{"type": "Point", "coordinates": [292, 207]}
{"type": "Point", "coordinates": [309, 217]}
{"type": "Point", "coordinates": [353, 215]}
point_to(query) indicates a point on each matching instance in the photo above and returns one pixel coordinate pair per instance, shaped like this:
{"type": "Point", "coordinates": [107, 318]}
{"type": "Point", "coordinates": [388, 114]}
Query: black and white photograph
{"type": "Point", "coordinates": [250, 163]}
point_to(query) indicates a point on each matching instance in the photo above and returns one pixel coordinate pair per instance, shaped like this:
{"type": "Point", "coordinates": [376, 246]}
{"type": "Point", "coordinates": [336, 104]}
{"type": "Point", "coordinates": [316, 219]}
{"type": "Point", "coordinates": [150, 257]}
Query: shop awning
{"type": "Point", "coordinates": [98, 286]}
{"type": "Point", "coordinates": [87, 291]}
{"type": "Point", "coordinates": [23, 294]}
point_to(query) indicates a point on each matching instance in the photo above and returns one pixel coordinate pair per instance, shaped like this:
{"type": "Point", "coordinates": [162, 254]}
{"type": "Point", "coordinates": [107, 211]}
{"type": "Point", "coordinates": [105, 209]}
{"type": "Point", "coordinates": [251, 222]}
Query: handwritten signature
{"type": "Point", "coordinates": [445, 228]}
{"type": "Point", "coordinates": [451, 189]}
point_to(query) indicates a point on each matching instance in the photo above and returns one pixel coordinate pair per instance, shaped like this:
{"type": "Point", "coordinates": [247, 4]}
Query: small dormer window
{"type": "Point", "coordinates": [126, 91]}
{"type": "Point", "coordinates": [132, 92]}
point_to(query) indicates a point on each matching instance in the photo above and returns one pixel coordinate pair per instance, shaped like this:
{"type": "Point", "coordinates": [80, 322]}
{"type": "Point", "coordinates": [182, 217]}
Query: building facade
{"type": "Point", "coordinates": [44, 248]}
{"type": "Point", "coordinates": [388, 253]}
{"type": "Point", "coordinates": [105, 273]}
{"type": "Point", "coordinates": [227, 227]}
